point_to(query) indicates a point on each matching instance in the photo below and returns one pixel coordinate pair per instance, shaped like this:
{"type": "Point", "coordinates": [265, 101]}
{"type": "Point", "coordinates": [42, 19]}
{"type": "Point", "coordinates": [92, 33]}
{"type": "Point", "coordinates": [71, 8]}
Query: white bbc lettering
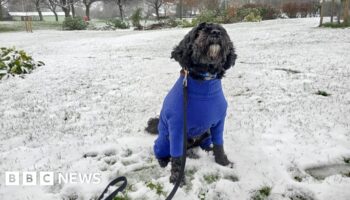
{"type": "Point", "coordinates": [46, 178]}
{"type": "Point", "coordinates": [12, 178]}
{"type": "Point", "coordinates": [85, 178]}
{"type": "Point", "coordinates": [63, 178]}
{"type": "Point", "coordinates": [29, 178]}
{"type": "Point", "coordinates": [73, 178]}
{"type": "Point", "coordinates": [96, 178]}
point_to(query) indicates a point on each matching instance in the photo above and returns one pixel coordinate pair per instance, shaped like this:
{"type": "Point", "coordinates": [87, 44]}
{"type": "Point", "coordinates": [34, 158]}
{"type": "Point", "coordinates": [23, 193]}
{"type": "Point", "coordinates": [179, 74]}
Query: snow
{"type": "Point", "coordinates": [98, 89]}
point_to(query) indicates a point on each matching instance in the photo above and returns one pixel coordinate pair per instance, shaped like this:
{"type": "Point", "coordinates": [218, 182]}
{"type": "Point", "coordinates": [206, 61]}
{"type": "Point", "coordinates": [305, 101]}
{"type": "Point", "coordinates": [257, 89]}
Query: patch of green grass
{"type": "Point", "coordinates": [9, 29]}
{"type": "Point", "coordinates": [46, 18]}
{"type": "Point", "coordinates": [323, 93]}
{"type": "Point", "coordinates": [124, 195]}
{"type": "Point", "coordinates": [189, 174]}
{"type": "Point", "coordinates": [262, 193]}
{"type": "Point", "coordinates": [202, 194]}
{"type": "Point", "coordinates": [347, 160]}
{"type": "Point", "coordinates": [157, 187]}
{"type": "Point", "coordinates": [347, 175]}
{"type": "Point", "coordinates": [335, 25]}
{"type": "Point", "coordinates": [211, 178]}
{"type": "Point", "coordinates": [47, 25]}
{"type": "Point", "coordinates": [12, 26]}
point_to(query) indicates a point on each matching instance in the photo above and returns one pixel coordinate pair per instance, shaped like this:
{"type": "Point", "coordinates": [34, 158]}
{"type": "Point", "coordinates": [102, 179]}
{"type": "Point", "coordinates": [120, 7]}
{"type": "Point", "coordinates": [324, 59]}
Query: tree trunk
{"type": "Point", "coordinates": [73, 9]}
{"type": "Point", "coordinates": [37, 5]}
{"type": "Point", "coordinates": [121, 11]}
{"type": "Point", "coordinates": [66, 11]}
{"type": "Point", "coordinates": [346, 12]}
{"type": "Point", "coordinates": [56, 16]}
{"type": "Point", "coordinates": [157, 13]}
{"type": "Point", "coordinates": [321, 13]}
{"type": "Point", "coordinates": [87, 11]}
{"type": "Point", "coordinates": [181, 9]}
{"type": "Point", "coordinates": [0, 11]}
{"type": "Point", "coordinates": [40, 15]}
{"type": "Point", "coordinates": [339, 13]}
{"type": "Point", "coordinates": [332, 10]}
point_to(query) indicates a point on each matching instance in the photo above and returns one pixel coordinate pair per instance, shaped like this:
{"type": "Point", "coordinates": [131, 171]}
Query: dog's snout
{"type": "Point", "coordinates": [215, 32]}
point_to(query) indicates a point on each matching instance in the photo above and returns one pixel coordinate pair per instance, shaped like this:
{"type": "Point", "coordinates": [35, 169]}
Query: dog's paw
{"type": "Point", "coordinates": [163, 162]}
{"type": "Point", "coordinates": [173, 179]}
{"type": "Point", "coordinates": [221, 157]}
{"type": "Point", "coordinates": [175, 171]}
{"type": "Point", "coordinates": [224, 161]}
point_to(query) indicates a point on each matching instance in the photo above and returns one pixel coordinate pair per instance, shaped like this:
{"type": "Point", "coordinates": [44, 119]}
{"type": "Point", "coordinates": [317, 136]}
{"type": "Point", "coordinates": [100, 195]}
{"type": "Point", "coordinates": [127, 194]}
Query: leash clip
{"type": "Point", "coordinates": [185, 78]}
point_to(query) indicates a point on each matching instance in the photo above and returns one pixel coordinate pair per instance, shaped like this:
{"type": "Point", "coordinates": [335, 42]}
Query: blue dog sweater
{"type": "Point", "coordinates": [206, 110]}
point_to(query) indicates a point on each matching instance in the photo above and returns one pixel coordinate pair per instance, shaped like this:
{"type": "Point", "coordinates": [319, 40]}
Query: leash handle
{"type": "Point", "coordinates": [115, 192]}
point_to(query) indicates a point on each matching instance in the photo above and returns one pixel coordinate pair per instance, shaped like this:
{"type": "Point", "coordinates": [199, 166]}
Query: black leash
{"type": "Point", "coordinates": [115, 192]}
{"type": "Point", "coordinates": [183, 158]}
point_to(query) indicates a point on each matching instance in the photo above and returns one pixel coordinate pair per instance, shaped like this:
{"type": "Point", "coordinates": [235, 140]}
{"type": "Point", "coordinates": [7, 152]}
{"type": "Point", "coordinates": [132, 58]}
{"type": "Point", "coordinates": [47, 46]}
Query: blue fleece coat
{"type": "Point", "coordinates": [206, 110]}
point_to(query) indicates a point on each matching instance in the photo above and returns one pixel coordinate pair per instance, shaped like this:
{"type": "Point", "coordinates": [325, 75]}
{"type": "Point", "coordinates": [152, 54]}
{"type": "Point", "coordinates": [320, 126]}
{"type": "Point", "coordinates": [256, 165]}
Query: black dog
{"type": "Point", "coordinates": [206, 52]}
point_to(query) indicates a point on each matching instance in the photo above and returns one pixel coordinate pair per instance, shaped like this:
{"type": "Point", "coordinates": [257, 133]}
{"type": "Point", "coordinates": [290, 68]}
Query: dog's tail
{"type": "Point", "coordinates": [152, 126]}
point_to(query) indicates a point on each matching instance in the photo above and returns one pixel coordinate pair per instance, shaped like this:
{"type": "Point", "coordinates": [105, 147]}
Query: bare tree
{"type": "Point", "coordinates": [338, 13]}
{"type": "Point", "coordinates": [2, 2]}
{"type": "Point", "coordinates": [167, 4]}
{"type": "Point", "coordinates": [121, 5]}
{"type": "Point", "coordinates": [87, 4]}
{"type": "Point", "coordinates": [346, 12]}
{"type": "Point", "coordinates": [192, 4]}
{"type": "Point", "coordinates": [156, 4]}
{"type": "Point", "coordinates": [38, 4]}
{"type": "Point", "coordinates": [211, 4]}
{"type": "Point", "coordinates": [332, 10]}
{"type": "Point", "coordinates": [64, 5]}
{"type": "Point", "coordinates": [52, 5]}
{"type": "Point", "coordinates": [72, 8]}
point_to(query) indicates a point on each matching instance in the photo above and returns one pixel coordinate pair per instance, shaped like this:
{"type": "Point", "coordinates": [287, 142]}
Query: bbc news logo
{"type": "Point", "coordinates": [49, 178]}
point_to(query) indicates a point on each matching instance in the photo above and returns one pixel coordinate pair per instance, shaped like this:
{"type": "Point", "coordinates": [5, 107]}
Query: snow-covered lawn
{"type": "Point", "coordinates": [98, 89]}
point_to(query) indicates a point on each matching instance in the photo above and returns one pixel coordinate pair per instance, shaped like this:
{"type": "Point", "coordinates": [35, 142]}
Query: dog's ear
{"type": "Point", "coordinates": [182, 52]}
{"type": "Point", "coordinates": [202, 25]}
{"type": "Point", "coordinates": [230, 58]}
{"type": "Point", "coordinates": [185, 46]}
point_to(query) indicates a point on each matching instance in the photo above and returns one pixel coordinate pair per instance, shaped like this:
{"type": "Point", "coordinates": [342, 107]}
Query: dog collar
{"type": "Point", "coordinates": [208, 76]}
{"type": "Point", "coordinates": [205, 76]}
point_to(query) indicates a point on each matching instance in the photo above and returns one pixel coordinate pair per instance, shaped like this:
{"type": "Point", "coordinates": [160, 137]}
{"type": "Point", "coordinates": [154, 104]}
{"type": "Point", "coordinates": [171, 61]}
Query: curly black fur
{"type": "Point", "coordinates": [206, 48]}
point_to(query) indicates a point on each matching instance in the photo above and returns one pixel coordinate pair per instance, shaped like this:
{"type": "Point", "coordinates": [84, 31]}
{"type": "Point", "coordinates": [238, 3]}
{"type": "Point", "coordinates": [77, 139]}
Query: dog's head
{"type": "Point", "coordinates": [207, 48]}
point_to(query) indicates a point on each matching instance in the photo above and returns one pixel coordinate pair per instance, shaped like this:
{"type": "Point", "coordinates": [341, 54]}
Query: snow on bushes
{"type": "Point", "coordinates": [136, 19]}
{"type": "Point", "coordinates": [16, 62]}
{"type": "Point", "coordinates": [266, 12]}
{"type": "Point", "coordinates": [74, 23]}
{"type": "Point", "coordinates": [117, 24]}
{"type": "Point", "coordinates": [249, 14]}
